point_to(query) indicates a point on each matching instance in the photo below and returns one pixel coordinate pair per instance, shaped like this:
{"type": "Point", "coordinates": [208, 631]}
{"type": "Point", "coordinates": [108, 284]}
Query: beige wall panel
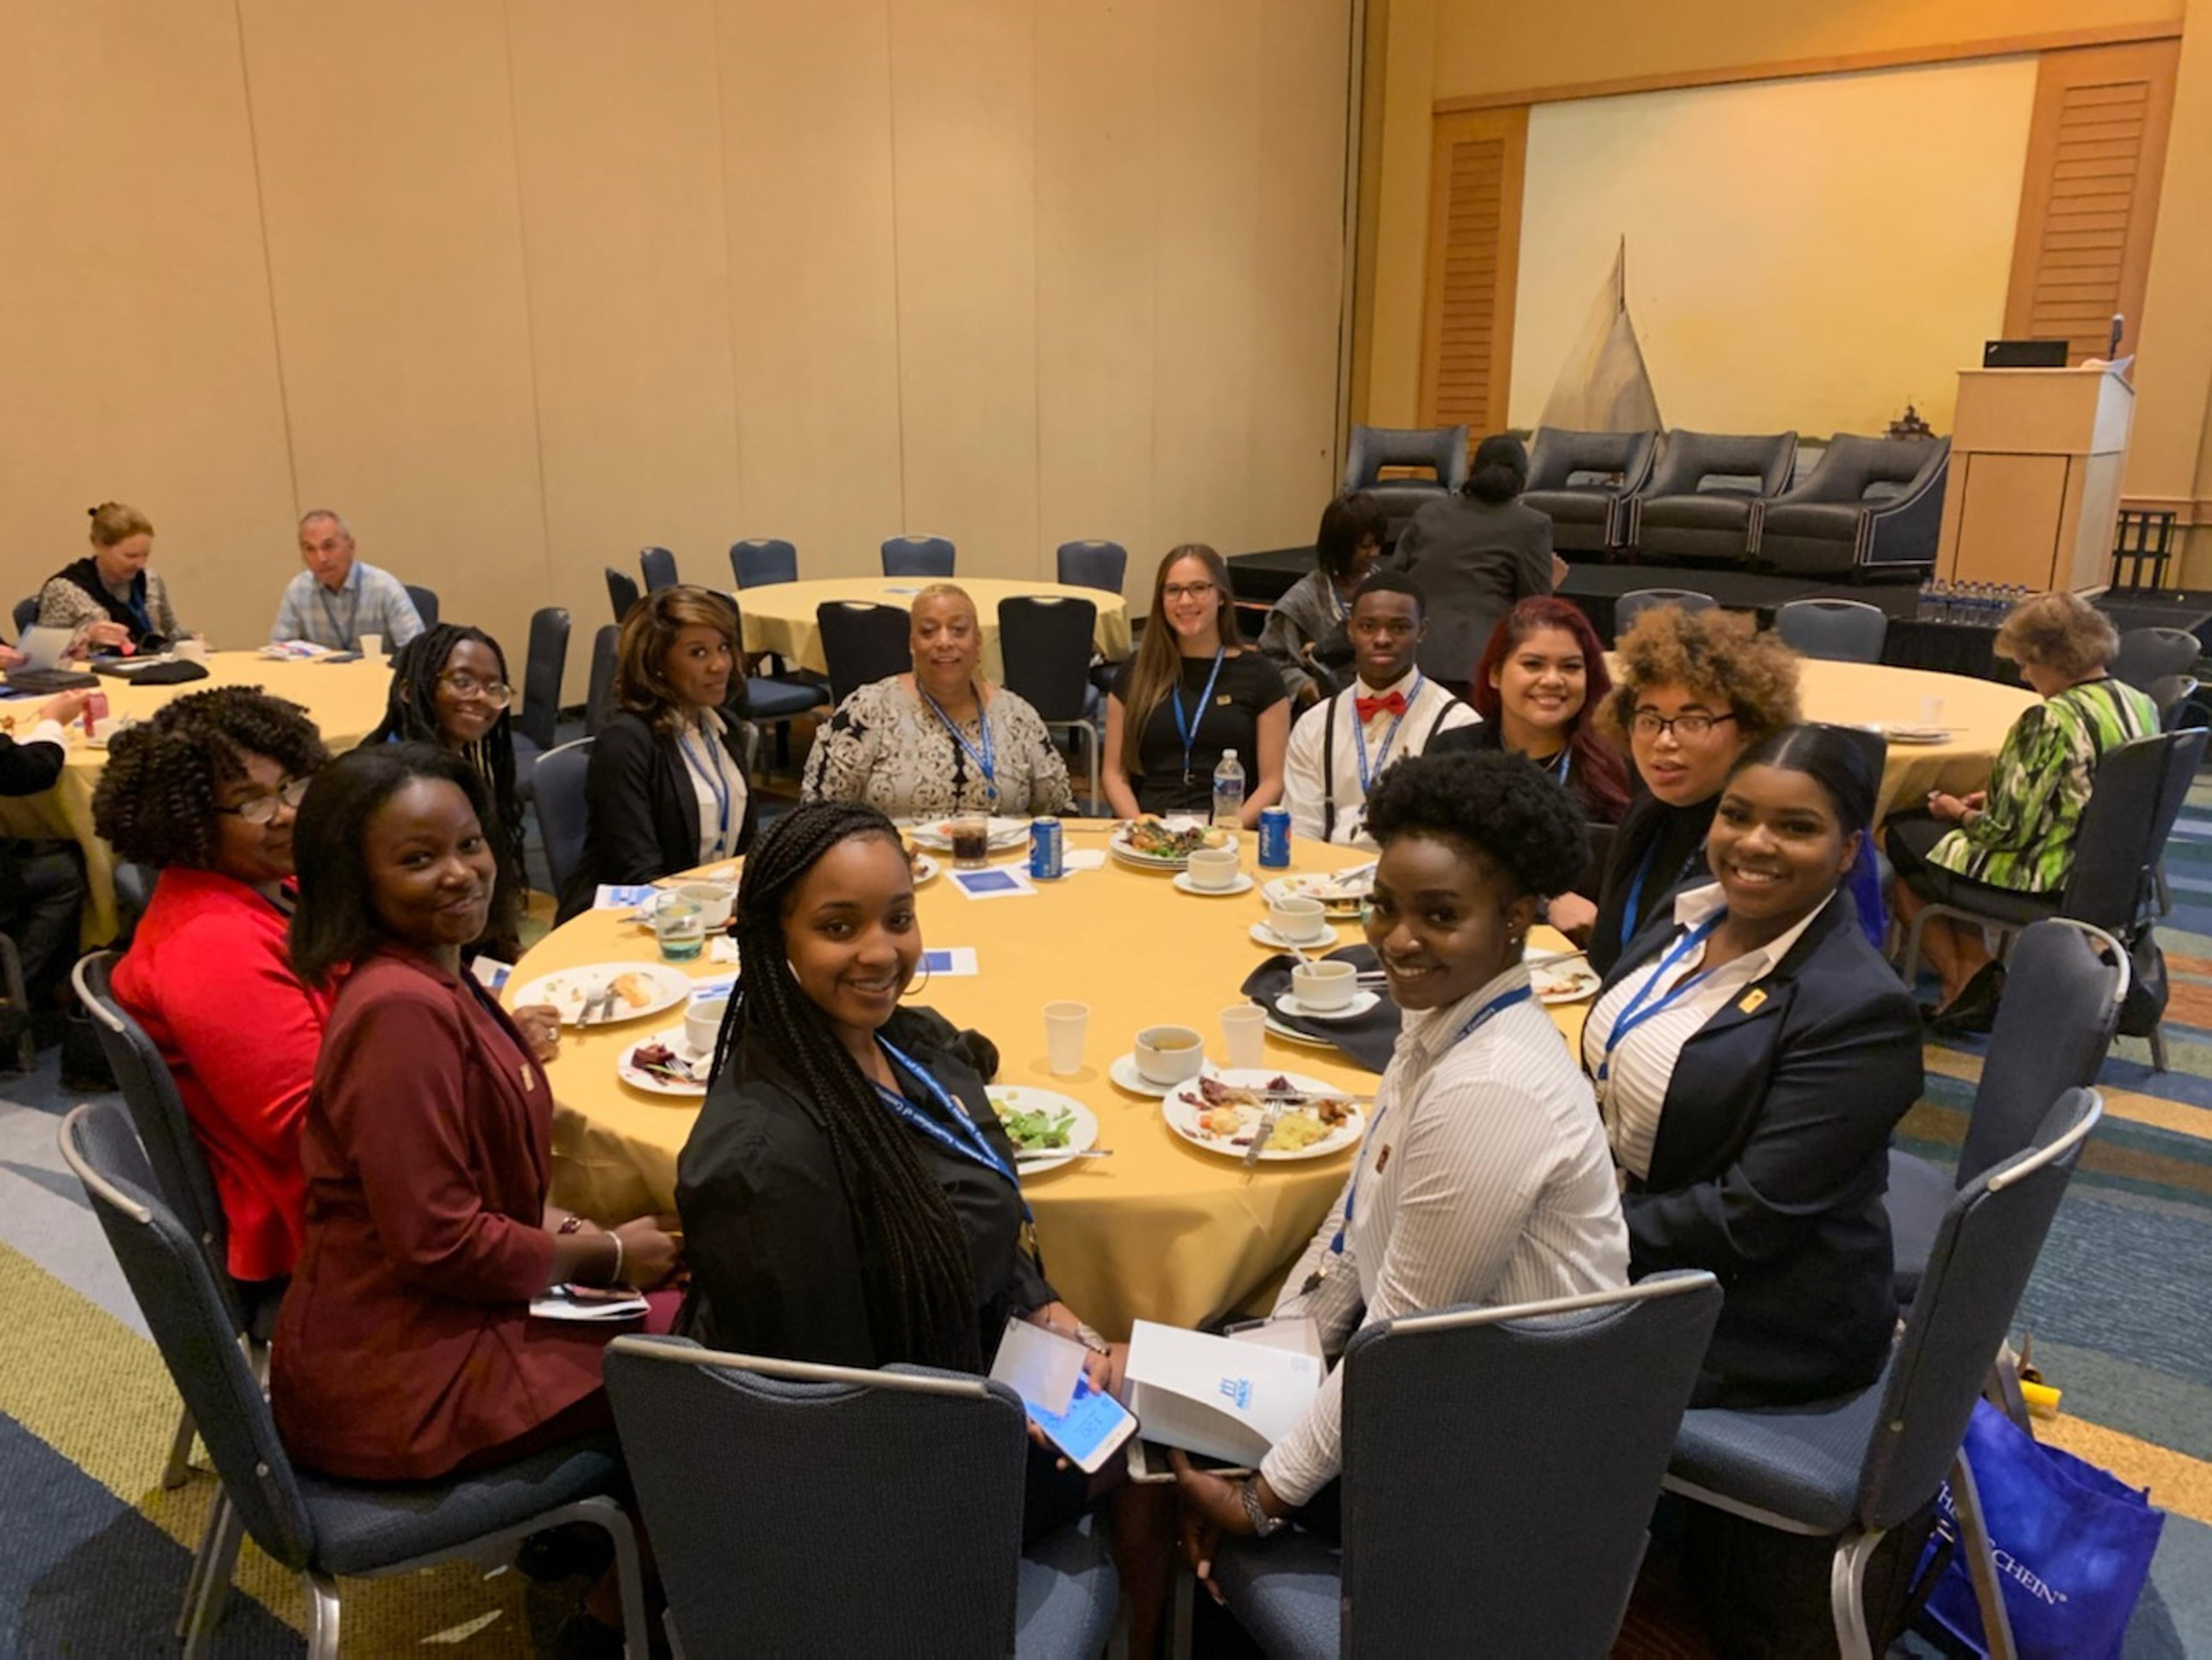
{"type": "Point", "coordinates": [1097, 158]}
{"type": "Point", "coordinates": [618, 141]}
{"type": "Point", "coordinates": [961, 106]}
{"type": "Point", "coordinates": [135, 337]}
{"type": "Point", "coordinates": [1392, 390]}
{"type": "Point", "coordinates": [386, 149]}
{"type": "Point", "coordinates": [806, 155]}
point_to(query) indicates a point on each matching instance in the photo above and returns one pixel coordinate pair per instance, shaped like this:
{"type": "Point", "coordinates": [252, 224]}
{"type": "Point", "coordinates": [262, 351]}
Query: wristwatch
{"type": "Point", "coordinates": [1264, 1526]}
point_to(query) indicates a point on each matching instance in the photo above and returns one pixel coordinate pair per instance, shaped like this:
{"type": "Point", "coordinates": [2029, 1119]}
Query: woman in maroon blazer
{"type": "Point", "coordinates": [405, 1349]}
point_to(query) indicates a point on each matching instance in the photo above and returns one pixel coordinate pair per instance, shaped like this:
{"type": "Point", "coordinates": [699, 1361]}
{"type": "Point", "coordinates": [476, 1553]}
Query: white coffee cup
{"type": "Point", "coordinates": [1294, 916]}
{"type": "Point", "coordinates": [372, 647]}
{"type": "Point", "coordinates": [1325, 985]}
{"type": "Point", "coordinates": [1170, 1054]}
{"type": "Point", "coordinates": [1213, 869]}
{"type": "Point", "coordinates": [702, 1024]}
{"type": "Point", "coordinates": [192, 648]}
{"type": "Point", "coordinates": [714, 901]}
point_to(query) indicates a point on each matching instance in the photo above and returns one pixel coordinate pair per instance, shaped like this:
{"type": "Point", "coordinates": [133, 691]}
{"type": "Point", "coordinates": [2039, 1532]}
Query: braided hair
{"type": "Point", "coordinates": [914, 1267]}
{"type": "Point", "coordinates": [410, 715]}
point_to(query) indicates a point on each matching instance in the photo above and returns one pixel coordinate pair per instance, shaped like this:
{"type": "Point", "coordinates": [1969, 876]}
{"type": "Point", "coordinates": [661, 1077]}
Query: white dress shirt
{"type": "Point", "coordinates": [1641, 1065]}
{"type": "Point", "coordinates": [1430, 710]}
{"type": "Point", "coordinates": [1483, 1178]}
{"type": "Point", "coordinates": [718, 783]}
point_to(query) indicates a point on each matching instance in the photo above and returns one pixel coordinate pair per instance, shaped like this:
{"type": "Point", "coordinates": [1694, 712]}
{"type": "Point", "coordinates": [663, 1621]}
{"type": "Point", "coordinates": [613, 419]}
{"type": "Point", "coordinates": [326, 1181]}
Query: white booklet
{"type": "Point", "coordinates": [1223, 1398]}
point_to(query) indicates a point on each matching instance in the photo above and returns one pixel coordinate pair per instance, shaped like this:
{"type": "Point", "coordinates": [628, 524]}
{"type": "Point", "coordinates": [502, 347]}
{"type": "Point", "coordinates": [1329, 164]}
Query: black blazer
{"type": "Point", "coordinates": [1674, 840]}
{"type": "Point", "coordinates": [1472, 560]}
{"type": "Point", "coordinates": [29, 769]}
{"type": "Point", "coordinates": [643, 813]}
{"type": "Point", "coordinates": [1771, 1160]}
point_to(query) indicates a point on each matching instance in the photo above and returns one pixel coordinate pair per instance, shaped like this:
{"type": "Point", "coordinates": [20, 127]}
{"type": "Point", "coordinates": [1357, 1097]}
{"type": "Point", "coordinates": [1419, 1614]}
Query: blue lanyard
{"type": "Point", "coordinates": [1188, 730]}
{"type": "Point", "coordinates": [986, 761]}
{"type": "Point", "coordinates": [1359, 735]}
{"type": "Point", "coordinates": [1636, 888]}
{"type": "Point", "coordinates": [711, 775]}
{"type": "Point", "coordinates": [345, 631]}
{"type": "Point", "coordinates": [1641, 1009]}
{"type": "Point", "coordinates": [973, 1147]}
{"type": "Point", "coordinates": [1503, 1001]}
{"type": "Point", "coordinates": [1561, 767]}
{"type": "Point", "coordinates": [1335, 599]}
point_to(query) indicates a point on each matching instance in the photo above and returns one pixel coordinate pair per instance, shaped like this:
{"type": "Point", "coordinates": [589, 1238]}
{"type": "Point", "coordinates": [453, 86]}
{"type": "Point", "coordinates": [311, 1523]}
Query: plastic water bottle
{"type": "Point", "coordinates": [1927, 611]}
{"type": "Point", "coordinates": [1229, 794]}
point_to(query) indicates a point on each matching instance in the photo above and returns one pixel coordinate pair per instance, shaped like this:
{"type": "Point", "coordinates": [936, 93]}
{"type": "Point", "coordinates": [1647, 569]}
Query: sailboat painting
{"type": "Point", "coordinates": [1603, 385]}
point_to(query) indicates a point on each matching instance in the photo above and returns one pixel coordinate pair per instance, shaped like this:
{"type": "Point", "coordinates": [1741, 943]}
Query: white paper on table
{"type": "Point", "coordinates": [722, 986]}
{"type": "Point", "coordinates": [721, 949]}
{"type": "Point", "coordinates": [996, 882]}
{"type": "Point", "coordinates": [1216, 1396]}
{"type": "Point", "coordinates": [1083, 859]}
{"type": "Point", "coordinates": [624, 895]}
{"type": "Point", "coordinates": [1039, 1365]}
{"type": "Point", "coordinates": [953, 961]}
{"type": "Point", "coordinates": [553, 1307]}
{"type": "Point", "coordinates": [491, 974]}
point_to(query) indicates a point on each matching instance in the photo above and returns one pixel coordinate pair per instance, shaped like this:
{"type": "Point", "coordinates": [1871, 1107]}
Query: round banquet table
{"type": "Point", "coordinates": [779, 617]}
{"type": "Point", "coordinates": [1160, 1231]}
{"type": "Point", "coordinates": [345, 700]}
{"type": "Point", "coordinates": [1978, 714]}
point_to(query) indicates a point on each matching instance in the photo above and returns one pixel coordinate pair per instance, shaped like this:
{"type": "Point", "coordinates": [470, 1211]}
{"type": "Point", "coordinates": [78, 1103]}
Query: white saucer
{"type": "Point", "coordinates": [1124, 1074]}
{"type": "Point", "coordinates": [1361, 1001]}
{"type": "Point", "coordinates": [1266, 935]}
{"type": "Point", "coordinates": [1241, 885]}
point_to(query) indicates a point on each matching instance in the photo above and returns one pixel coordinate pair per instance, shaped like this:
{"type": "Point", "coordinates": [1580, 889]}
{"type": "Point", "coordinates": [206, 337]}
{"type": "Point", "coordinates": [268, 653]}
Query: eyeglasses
{"type": "Point", "coordinates": [1691, 727]}
{"type": "Point", "coordinates": [1185, 590]}
{"type": "Point", "coordinates": [260, 808]}
{"type": "Point", "coordinates": [498, 693]}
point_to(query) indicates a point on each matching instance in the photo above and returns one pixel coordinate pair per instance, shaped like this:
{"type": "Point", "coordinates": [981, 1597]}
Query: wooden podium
{"type": "Point", "coordinates": [2035, 489]}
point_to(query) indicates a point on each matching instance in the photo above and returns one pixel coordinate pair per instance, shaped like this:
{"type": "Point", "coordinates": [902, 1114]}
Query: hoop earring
{"type": "Point", "coordinates": [914, 985]}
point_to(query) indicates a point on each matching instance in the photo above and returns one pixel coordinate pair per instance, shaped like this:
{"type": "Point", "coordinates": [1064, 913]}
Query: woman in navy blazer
{"type": "Point", "coordinates": [1753, 1053]}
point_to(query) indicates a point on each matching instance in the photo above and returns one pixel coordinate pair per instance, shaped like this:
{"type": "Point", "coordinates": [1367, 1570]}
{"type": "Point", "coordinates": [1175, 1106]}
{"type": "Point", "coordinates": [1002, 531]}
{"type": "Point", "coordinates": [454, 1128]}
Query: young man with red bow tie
{"type": "Point", "coordinates": [1340, 747]}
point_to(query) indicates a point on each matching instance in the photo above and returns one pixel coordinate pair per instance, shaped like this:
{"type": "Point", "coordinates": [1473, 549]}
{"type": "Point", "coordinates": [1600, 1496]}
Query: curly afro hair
{"type": "Point", "coordinates": [1720, 654]}
{"type": "Point", "coordinates": [1505, 806]}
{"type": "Point", "coordinates": [155, 801]}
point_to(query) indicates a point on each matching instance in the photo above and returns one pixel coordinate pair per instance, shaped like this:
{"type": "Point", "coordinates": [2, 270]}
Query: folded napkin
{"type": "Point", "coordinates": [1366, 1041]}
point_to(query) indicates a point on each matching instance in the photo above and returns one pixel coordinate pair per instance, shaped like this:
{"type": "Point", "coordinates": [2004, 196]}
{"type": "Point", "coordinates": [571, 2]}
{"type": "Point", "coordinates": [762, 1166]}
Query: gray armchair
{"type": "Point", "coordinates": [1870, 501]}
{"type": "Point", "coordinates": [1706, 493]}
{"type": "Point", "coordinates": [1584, 481]}
{"type": "Point", "coordinates": [1443, 450]}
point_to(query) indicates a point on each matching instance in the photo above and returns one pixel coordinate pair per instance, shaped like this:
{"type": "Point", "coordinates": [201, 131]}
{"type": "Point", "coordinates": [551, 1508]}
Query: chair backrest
{"type": "Point", "coordinates": [190, 1320]}
{"type": "Point", "coordinates": [541, 674]}
{"type": "Point", "coordinates": [1630, 606]}
{"type": "Point", "coordinates": [2172, 693]}
{"type": "Point", "coordinates": [2148, 654]}
{"type": "Point", "coordinates": [763, 560]}
{"type": "Point", "coordinates": [1443, 450]}
{"type": "Point", "coordinates": [1852, 464]}
{"type": "Point", "coordinates": [2139, 789]}
{"type": "Point", "coordinates": [600, 692]}
{"type": "Point", "coordinates": [658, 565]}
{"type": "Point", "coordinates": [1104, 565]}
{"type": "Point", "coordinates": [765, 1485]}
{"type": "Point", "coordinates": [426, 605]}
{"type": "Point", "coordinates": [1559, 452]}
{"type": "Point", "coordinates": [557, 790]}
{"type": "Point", "coordinates": [2063, 985]}
{"type": "Point", "coordinates": [27, 613]}
{"type": "Point", "coordinates": [1689, 459]}
{"type": "Point", "coordinates": [134, 891]}
{"type": "Point", "coordinates": [862, 642]}
{"type": "Point", "coordinates": [917, 555]}
{"type": "Point", "coordinates": [1985, 1249]}
{"type": "Point", "coordinates": [1568, 1410]}
{"type": "Point", "coordinates": [1840, 630]}
{"type": "Point", "coordinates": [622, 593]}
{"type": "Point", "coordinates": [1045, 643]}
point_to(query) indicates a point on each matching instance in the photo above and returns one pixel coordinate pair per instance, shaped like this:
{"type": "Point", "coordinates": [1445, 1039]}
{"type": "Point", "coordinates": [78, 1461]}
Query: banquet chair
{"type": "Point", "coordinates": [599, 689]}
{"type": "Point", "coordinates": [775, 701]}
{"type": "Point", "coordinates": [1852, 1468]}
{"type": "Point", "coordinates": [1044, 642]}
{"type": "Point", "coordinates": [658, 566]}
{"type": "Point", "coordinates": [762, 1484]}
{"type": "Point", "coordinates": [2173, 693]}
{"type": "Point", "coordinates": [1101, 565]}
{"type": "Point", "coordinates": [1835, 630]}
{"type": "Point", "coordinates": [1866, 503]}
{"type": "Point", "coordinates": [862, 642]}
{"type": "Point", "coordinates": [929, 556]}
{"type": "Point", "coordinates": [1500, 1465]}
{"type": "Point", "coordinates": [762, 561]}
{"type": "Point", "coordinates": [2149, 654]}
{"type": "Point", "coordinates": [2054, 1026]}
{"type": "Point", "coordinates": [1632, 605]}
{"type": "Point", "coordinates": [1706, 493]}
{"type": "Point", "coordinates": [425, 601]}
{"type": "Point", "coordinates": [26, 614]}
{"type": "Point", "coordinates": [562, 816]}
{"type": "Point", "coordinates": [538, 716]}
{"type": "Point", "coordinates": [318, 1528]}
{"type": "Point", "coordinates": [622, 593]}
{"type": "Point", "coordinates": [1582, 482]}
{"type": "Point", "coordinates": [1441, 451]}
{"type": "Point", "coordinates": [19, 997]}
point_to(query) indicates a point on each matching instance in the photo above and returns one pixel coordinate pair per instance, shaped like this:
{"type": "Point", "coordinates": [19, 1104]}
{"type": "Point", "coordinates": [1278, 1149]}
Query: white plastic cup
{"type": "Point", "coordinates": [1066, 1025]}
{"type": "Point", "coordinates": [372, 647]}
{"type": "Point", "coordinates": [1931, 711]}
{"type": "Point", "coordinates": [1243, 1034]}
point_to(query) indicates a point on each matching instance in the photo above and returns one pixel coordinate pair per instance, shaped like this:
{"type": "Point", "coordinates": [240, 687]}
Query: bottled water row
{"type": "Point", "coordinates": [1977, 604]}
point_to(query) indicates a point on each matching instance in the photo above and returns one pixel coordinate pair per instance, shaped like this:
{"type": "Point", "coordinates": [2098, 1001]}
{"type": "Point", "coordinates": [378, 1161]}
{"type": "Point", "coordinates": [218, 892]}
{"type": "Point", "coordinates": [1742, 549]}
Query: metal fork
{"type": "Point", "coordinates": [1259, 1136]}
{"type": "Point", "coordinates": [598, 1008]}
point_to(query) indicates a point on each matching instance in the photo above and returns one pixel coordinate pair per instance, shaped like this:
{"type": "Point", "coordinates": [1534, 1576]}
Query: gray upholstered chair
{"type": "Point", "coordinates": [542, 670]}
{"type": "Point", "coordinates": [2150, 654]}
{"type": "Point", "coordinates": [1632, 605]}
{"type": "Point", "coordinates": [862, 642]}
{"type": "Point", "coordinates": [622, 593]}
{"type": "Point", "coordinates": [425, 601]}
{"type": "Point", "coordinates": [1868, 503]}
{"type": "Point", "coordinates": [1583, 480]}
{"type": "Point", "coordinates": [563, 818]}
{"type": "Point", "coordinates": [1570, 1407]}
{"type": "Point", "coordinates": [598, 690]}
{"type": "Point", "coordinates": [1851, 1470]}
{"type": "Point", "coordinates": [927, 556]}
{"type": "Point", "coordinates": [1044, 641]}
{"type": "Point", "coordinates": [1705, 492]}
{"type": "Point", "coordinates": [1838, 631]}
{"type": "Point", "coordinates": [1442, 450]}
{"type": "Point", "coordinates": [1101, 565]}
{"type": "Point", "coordinates": [763, 560]}
{"type": "Point", "coordinates": [2172, 694]}
{"type": "Point", "coordinates": [764, 1483]}
{"type": "Point", "coordinates": [658, 566]}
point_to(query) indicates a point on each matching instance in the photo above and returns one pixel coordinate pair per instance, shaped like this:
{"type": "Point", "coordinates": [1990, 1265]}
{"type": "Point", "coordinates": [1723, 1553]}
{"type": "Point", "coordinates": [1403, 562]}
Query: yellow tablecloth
{"type": "Point", "coordinates": [780, 617]}
{"type": "Point", "coordinates": [1161, 1230]}
{"type": "Point", "coordinates": [1977, 712]}
{"type": "Point", "coordinates": [345, 700]}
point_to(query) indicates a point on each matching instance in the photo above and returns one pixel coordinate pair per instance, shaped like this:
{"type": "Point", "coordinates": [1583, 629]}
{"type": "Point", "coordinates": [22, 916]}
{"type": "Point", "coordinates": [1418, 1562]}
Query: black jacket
{"type": "Point", "coordinates": [1770, 1163]}
{"type": "Point", "coordinates": [1472, 560]}
{"type": "Point", "coordinates": [644, 812]}
{"type": "Point", "coordinates": [29, 769]}
{"type": "Point", "coordinates": [1673, 838]}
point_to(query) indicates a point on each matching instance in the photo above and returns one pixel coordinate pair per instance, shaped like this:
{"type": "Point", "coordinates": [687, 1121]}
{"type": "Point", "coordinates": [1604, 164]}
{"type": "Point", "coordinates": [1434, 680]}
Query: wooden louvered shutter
{"type": "Point", "coordinates": [2089, 200]}
{"type": "Point", "coordinates": [1476, 170]}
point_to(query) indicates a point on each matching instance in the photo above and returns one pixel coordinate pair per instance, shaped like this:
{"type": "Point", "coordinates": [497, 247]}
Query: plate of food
{"type": "Point", "coordinates": [1559, 978]}
{"type": "Point", "coordinates": [1291, 1034]}
{"type": "Point", "coordinates": [1047, 1129]}
{"type": "Point", "coordinates": [639, 988]}
{"type": "Point", "coordinates": [664, 1065]}
{"type": "Point", "coordinates": [1899, 732]}
{"type": "Point", "coordinates": [1341, 892]}
{"type": "Point", "coordinates": [1221, 1114]}
{"type": "Point", "coordinates": [923, 866]}
{"type": "Point", "coordinates": [936, 835]}
{"type": "Point", "coordinates": [1165, 844]}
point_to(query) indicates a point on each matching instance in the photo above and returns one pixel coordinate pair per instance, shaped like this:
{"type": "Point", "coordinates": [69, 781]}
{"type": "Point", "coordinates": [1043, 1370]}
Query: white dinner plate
{"type": "Point", "coordinates": [924, 869]}
{"type": "Point", "coordinates": [1266, 935]}
{"type": "Point", "coordinates": [1124, 1073]}
{"type": "Point", "coordinates": [1338, 896]}
{"type": "Point", "coordinates": [1362, 1000]}
{"type": "Point", "coordinates": [936, 834]}
{"type": "Point", "coordinates": [1118, 844]}
{"type": "Point", "coordinates": [1897, 732]}
{"type": "Point", "coordinates": [1291, 1034]}
{"type": "Point", "coordinates": [644, 988]}
{"type": "Point", "coordinates": [1241, 885]}
{"type": "Point", "coordinates": [637, 1078]}
{"type": "Point", "coordinates": [1082, 1128]}
{"type": "Point", "coordinates": [1559, 979]}
{"type": "Point", "coordinates": [1185, 1110]}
